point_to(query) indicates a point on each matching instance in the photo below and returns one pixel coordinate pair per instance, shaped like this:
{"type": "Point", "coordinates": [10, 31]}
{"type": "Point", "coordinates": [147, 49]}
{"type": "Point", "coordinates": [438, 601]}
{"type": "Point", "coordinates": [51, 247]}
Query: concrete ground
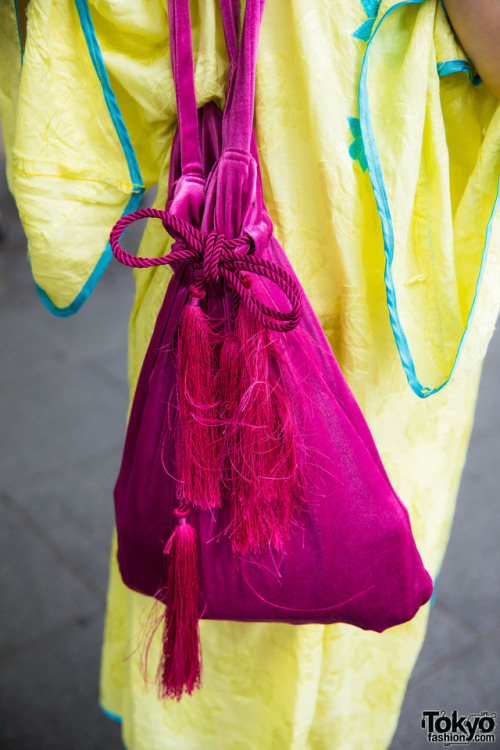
{"type": "Point", "coordinates": [63, 401]}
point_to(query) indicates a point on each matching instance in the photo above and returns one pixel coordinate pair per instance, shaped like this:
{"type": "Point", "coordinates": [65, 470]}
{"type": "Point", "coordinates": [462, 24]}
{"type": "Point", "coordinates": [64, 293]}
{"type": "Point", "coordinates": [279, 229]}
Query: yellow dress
{"type": "Point", "coordinates": [380, 160]}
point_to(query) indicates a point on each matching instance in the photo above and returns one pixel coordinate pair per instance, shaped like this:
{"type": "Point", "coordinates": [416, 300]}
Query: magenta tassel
{"type": "Point", "coordinates": [228, 384]}
{"type": "Point", "coordinates": [198, 446]}
{"type": "Point", "coordinates": [180, 667]}
{"type": "Point", "coordinates": [261, 441]}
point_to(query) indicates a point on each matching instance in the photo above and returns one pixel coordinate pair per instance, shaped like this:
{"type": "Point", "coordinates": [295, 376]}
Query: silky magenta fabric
{"type": "Point", "coordinates": [274, 686]}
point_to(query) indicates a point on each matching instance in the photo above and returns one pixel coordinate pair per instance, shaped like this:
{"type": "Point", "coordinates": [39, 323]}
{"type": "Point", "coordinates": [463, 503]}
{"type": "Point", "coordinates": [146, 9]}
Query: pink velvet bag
{"type": "Point", "coordinates": [250, 487]}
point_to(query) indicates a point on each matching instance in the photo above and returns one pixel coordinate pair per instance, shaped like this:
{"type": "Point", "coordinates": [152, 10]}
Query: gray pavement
{"type": "Point", "coordinates": [63, 402]}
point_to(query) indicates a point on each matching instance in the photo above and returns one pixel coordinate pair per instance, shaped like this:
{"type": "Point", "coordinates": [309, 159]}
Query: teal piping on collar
{"type": "Point", "coordinates": [19, 32]}
{"type": "Point", "coordinates": [100, 267]}
{"type": "Point", "coordinates": [133, 166]}
{"type": "Point", "coordinates": [377, 180]}
{"type": "Point", "coordinates": [446, 12]}
{"type": "Point", "coordinates": [458, 66]}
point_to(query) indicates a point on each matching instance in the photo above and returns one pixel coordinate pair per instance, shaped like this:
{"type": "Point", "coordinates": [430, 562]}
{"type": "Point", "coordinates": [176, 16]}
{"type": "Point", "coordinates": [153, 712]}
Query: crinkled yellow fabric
{"type": "Point", "coordinates": [274, 686]}
{"type": "Point", "coordinates": [10, 74]}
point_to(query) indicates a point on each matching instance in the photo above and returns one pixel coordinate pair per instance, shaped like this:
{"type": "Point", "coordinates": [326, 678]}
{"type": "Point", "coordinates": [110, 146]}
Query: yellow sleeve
{"type": "Point", "coordinates": [10, 77]}
{"type": "Point", "coordinates": [83, 139]}
{"type": "Point", "coordinates": [430, 132]}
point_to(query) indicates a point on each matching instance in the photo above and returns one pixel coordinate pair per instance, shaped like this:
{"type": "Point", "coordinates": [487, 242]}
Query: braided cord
{"type": "Point", "coordinates": [218, 257]}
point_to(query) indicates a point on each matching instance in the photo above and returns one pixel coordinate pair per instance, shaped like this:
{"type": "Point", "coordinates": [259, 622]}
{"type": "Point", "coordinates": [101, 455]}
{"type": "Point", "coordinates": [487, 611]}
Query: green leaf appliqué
{"type": "Point", "coordinates": [356, 149]}
{"type": "Point", "coordinates": [371, 9]}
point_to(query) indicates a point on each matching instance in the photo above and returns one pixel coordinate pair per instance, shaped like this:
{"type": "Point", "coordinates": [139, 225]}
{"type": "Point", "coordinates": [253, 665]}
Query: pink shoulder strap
{"type": "Point", "coordinates": [238, 113]}
{"type": "Point", "coordinates": [181, 55]}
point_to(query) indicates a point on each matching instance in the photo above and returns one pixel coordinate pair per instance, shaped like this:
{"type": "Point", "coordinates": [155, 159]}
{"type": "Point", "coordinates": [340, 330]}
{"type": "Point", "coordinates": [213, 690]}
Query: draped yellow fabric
{"type": "Point", "coordinates": [379, 152]}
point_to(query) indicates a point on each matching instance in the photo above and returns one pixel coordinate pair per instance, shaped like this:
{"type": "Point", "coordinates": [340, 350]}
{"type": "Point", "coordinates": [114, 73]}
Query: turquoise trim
{"type": "Point", "coordinates": [377, 180]}
{"type": "Point", "coordinates": [19, 32]}
{"type": "Point", "coordinates": [110, 714]}
{"type": "Point", "coordinates": [88, 288]}
{"type": "Point", "coordinates": [128, 149]}
{"type": "Point", "coordinates": [114, 110]}
{"type": "Point", "coordinates": [458, 66]}
{"type": "Point", "coordinates": [433, 597]}
{"type": "Point", "coordinates": [454, 66]}
{"type": "Point", "coordinates": [446, 12]}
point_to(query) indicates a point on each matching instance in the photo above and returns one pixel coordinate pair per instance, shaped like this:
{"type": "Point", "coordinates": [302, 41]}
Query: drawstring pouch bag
{"type": "Point", "coordinates": [250, 487]}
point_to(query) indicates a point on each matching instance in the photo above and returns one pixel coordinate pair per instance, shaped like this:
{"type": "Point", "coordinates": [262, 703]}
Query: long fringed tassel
{"type": "Point", "coordinates": [261, 440]}
{"type": "Point", "coordinates": [228, 389]}
{"type": "Point", "coordinates": [198, 445]}
{"type": "Point", "coordinates": [180, 667]}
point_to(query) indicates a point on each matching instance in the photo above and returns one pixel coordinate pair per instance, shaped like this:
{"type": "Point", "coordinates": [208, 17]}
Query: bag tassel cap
{"type": "Point", "coordinates": [180, 667]}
